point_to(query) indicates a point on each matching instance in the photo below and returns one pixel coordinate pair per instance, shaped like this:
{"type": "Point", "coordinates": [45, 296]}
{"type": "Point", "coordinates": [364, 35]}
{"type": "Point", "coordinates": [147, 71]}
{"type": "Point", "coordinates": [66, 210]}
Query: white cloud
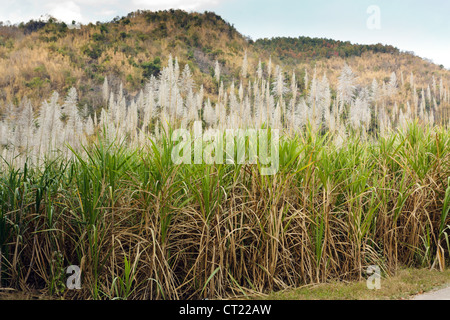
{"type": "Point", "coordinates": [175, 4]}
{"type": "Point", "coordinates": [89, 10]}
{"type": "Point", "coordinates": [66, 11]}
{"type": "Point", "coordinates": [107, 12]}
{"type": "Point", "coordinates": [97, 2]}
{"type": "Point", "coordinates": [17, 16]}
{"type": "Point", "coordinates": [438, 53]}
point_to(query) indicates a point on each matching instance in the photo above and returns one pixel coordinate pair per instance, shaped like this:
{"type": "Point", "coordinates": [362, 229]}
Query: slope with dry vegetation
{"type": "Point", "coordinates": [37, 58]}
{"type": "Point", "coordinates": [362, 159]}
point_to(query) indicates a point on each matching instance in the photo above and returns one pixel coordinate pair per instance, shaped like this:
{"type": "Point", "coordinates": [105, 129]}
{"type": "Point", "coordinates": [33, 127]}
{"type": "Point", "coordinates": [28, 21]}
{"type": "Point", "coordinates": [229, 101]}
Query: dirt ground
{"type": "Point", "coordinates": [442, 294]}
{"type": "Point", "coordinates": [10, 294]}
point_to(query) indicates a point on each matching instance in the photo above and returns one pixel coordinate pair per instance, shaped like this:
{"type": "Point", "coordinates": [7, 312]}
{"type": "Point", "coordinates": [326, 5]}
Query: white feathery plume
{"type": "Point", "coordinates": [434, 84]}
{"type": "Point", "coordinates": [23, 134]}
{"type": "Point", "coordinates": [4, 133]}
{"type": "Point", "coordinates": [241, 91]}
{"type": "Point", "coordinates": [408, 109]}
{"type": "Point", "coordinates": [177, 104]}
{"type": "Point", "coordinates": [89, 126]}
{"type": "Point", "coordinates": [279, 85]}
{"type": "Point", "coordinates": [395, 113]}
{"type": "Point", "coordinates": [234, 108]}
{"type": "Point", "coordinates": [402, 121]}
{"type": "Point", "coordinates": [415, 101]}
{"type": "Point", "coordinates": [74, 124]}
{"type": "Point", "coordinates": [346, 84]}
{"type": "Point", "coordinates": [105, 90]}
{"type": "Point", "coordinates": [246, 113]}
{"type": "Point", "coordinates": [259, 71]}
{"type": "Point", "coordinates": [165, 119]}
{"type": "Point", "coordinates": [111, 107]}
{"type": "Point", "coordinates": [252, 104]}
{"type": "Point", "coordinates": [120, 95]}
{"type": "Point", "coordinates": [132, 120]}
{"type": "Point", "coordinates": [176, 71]}
{"type": "Point", "coordinates": [375, 90]}
{"type": "Point", "coordinates": [186, 81]}
{"type": "Point", "coordinates": [221, 91]}
{"type": "Point", "coordinates": [340, 138]}
{"type": "Point", "coordinates": [392, 86]}
{"type": "Point", "coordinates": [150, 106]}
{"type": "Point", "coordinates": [269, 68]}
{"type": "Point", "coordinates": [223, 112]}
{"type": "Point", "coordinates": [422, 106]}
{"type": "Point", "coordinates": [313, 98]}
{"type": "Point", "coordinates": [331, 119]}
{"type": "Point", "coordinates": [51, 126]}
{"type": "Point", "coordinates": [191, 107]}
{"type": "Point", "coordinates": [200, 98]}
{"type": "Point", "coordinates": [294, 88]}
{"type": "Point", "coordinates": [359, 113]}
{"type": "Point", "coordinates": [217, 110]}
{"type": "Point", "coordinates": [300, 115]}
{"type": "Point", "coordinates": [431, 118]}
{"type": "Point", "coordinates": [324, 96]}
{"type": "Point", "coordinates": [305, 79]}
{"type": "Point", "coordinates": [276, 117]}
{"type": "Point", "coordinates": [383, 122]}
{"type": "Point", "coordinates": [270, 109]}
{"type": "Point", "coordinates": [140, 101]}
{"type": "Point", "coordinates": [168, 75]}
{"type": "Point", "coordinates": [120, 114]}
{"type": "Point", "coordinates": [95, 120]}
{"type": "Point", "coordinates": [244, 66]}
{"type": "Point", "coordinates": [108, 126]}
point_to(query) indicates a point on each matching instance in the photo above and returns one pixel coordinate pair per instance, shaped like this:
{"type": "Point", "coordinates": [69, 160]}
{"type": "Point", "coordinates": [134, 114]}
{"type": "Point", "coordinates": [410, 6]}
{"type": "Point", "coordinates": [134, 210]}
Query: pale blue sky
{"type": "Point", "coordinates": [411, 25]}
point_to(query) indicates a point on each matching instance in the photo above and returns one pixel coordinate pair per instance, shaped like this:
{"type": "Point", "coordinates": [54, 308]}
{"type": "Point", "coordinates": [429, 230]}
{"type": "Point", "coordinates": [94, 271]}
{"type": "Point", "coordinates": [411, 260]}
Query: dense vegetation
{"type": "Point", "coordinates": [88, 178]}
{"type": "Point", "coordinates": [304, 48]}
{"type": "Point", "coordinates": [363, 179]}
{"type": "Point", "coordinates": [142, 227]}
{"type": "Point", "coordinates": [39, 57]}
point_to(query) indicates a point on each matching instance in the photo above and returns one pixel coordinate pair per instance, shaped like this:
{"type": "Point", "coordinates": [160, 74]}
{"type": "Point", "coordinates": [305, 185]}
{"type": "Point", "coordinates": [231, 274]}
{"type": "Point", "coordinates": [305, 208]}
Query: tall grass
{"type": "Point", "coordinates": [142, 227]}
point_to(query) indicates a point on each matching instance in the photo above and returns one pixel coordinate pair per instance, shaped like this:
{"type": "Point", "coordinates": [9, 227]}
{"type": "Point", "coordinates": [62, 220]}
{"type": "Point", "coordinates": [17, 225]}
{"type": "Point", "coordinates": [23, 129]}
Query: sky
{"type": "Point", "coordinates": [411, 25]}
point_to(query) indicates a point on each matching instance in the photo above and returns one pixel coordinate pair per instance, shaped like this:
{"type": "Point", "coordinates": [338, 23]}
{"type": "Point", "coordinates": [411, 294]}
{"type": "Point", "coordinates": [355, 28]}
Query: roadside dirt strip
{"type": "Point", "coordinates": [442, 294]}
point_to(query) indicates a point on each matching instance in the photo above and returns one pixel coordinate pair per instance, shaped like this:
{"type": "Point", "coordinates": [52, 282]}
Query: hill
{"type": "Point", "coordinates": [39, 57]}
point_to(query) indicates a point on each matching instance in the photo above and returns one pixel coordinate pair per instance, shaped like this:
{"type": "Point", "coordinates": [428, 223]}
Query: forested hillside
{"type": "Point", "coordinates": [39, 57]}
